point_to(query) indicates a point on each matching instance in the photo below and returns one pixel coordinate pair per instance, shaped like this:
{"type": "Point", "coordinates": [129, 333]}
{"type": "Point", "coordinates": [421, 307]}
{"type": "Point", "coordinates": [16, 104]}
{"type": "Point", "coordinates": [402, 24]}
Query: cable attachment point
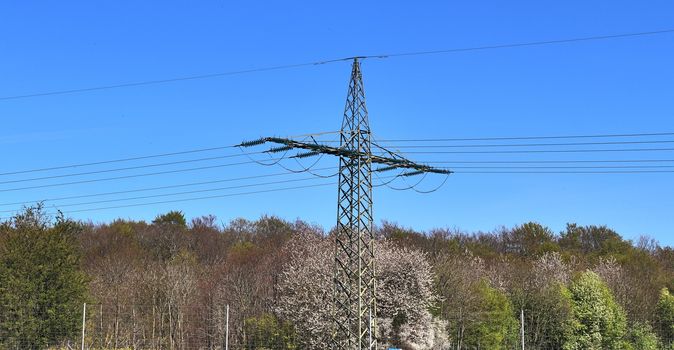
{"type": "Point", "coordinates": [306, 154]}
{"type": "Point", "coordinates": [387, 168]}
{"type": "Point", "coordinates": [412, 173]}
{"type": "Point", "coordinates": [279, 149]}
{"type": "Point", "coordinates": [252, 143]}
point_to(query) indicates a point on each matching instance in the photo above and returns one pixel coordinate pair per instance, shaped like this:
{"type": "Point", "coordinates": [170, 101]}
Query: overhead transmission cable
{"type": "Point", "coordinates": [108, 161]}
{"type": "Point", "coordinates": [181, 193]}
{"type": "Point", "coordinates": [125, 168]}
{"type": "Point", "coordinates": [119, 160]}
{"type": "Point", "coordinates": [198, 198]}
{"type": "Point", "coordinates": [413, 187]}
{"type": "Point", "coordinates": [309, 169]}
{"type": "Point", "coordinates": [529, 137]}
{"type": "Point", "coordinates": [178, 193]}
{"type": "Point", "coordinates": [567, 172]}
{"type": "Point", "coordinates": [547, 151]}
{"type": "Point", "coordinates": [327, 184]}
{"type": "Point", "coordinates": [522, 44]}
{"type": "Point", "coordinates": [322, 62]}
{"type": "Point", "coordinates": [567, 167]}
{"type": "Point", "coordinates": [146, 189]}
{"type": "Point", "coordinates": [68, 166]}
{"type": "Point", "coordinates": [548, 161]}
{"type": "Point", "coordinates": [126, 176]}
{"type": "Point", "coordinates": [502, 145]}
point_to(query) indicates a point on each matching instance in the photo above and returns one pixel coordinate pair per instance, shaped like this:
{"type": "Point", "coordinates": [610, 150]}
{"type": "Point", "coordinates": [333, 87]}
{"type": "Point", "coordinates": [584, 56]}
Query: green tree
{"type": "Point", "coordinates": [42, 286]}
{"type": "Point", "coordinates": [641, 337]}
{"type": "Point", "coordinates": [267, 332]}
{"type": "Point", "coordinates": [529, 239]}
{"type": "Point", "coordinates": [546, 313]}
{"type": "Point", "coordinates": [497, 329]}
{"type": "Point", "coordinates": [665, 317]}
{"type": "Point", "coordinates": [597, 321]}
{"type": "Point", "coordinates": [172, 218]}
{"type": "Point", "coordinates": [589, 240]}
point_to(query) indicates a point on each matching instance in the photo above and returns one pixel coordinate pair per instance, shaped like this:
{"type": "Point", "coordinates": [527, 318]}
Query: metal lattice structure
{"type": "Point", "coordinates": [354, 301]}
{"type": "Point", "coordinates": [354, 277]}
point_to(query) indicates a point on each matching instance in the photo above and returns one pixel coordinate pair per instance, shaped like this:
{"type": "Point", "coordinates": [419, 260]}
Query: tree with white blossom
{"type": "Point", "coordinates": [405, 295]}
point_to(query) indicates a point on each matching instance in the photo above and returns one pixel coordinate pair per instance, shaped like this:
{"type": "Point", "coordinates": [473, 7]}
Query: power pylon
{"type": "Point", "coordinates": [354, 301]}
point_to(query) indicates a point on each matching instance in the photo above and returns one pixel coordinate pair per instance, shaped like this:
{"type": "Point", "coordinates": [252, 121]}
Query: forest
{"type": "Point", "coordinates": [175, 283]}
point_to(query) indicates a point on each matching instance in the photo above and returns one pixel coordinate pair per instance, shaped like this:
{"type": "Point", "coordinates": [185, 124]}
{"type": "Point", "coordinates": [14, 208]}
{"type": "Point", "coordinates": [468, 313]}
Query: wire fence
{"type": "Point", "coordinates": [117, 326]}
{"type": "Point", "coordinates": [176, 327]}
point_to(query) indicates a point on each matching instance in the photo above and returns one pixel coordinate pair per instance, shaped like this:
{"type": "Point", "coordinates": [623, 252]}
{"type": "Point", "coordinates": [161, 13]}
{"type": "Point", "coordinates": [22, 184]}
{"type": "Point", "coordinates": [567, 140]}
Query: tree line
{"type": "Point", "coordinates": [174, 284]}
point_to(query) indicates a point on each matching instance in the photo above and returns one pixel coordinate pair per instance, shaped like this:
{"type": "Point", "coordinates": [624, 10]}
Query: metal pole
{"type": "Point", "coordinates": [84, 322]}
{"type": "Point", "coordinates": [522, 327]}
{"type": "Point", "coordinates": [227, 328]}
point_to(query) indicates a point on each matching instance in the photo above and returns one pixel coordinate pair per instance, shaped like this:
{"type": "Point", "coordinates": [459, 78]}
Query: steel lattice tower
{"type": "Point", "coordinates": [354, 276]}
{"type": "Point", "coordinates": [354, 302]}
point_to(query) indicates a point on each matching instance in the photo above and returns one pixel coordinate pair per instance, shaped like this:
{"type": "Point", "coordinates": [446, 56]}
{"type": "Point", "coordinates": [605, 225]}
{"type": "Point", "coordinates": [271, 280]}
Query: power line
{"type": "Point", "coordinates": [152, 188]}
{"type": "Point", "coordinates": [198, 150]}
{"type": "Point", "coordinates": [183, 193]}
{"type": "Point", "coordinates": [536, 144]}
{"type": "Point", "coordinates": [567, 172]}
{"type": "Point", "coordinates": [281, 174]}
{"type": "Point", "coordinates": [164, 81]}
{"type": "Point", "coordinates": [207, 197]}
{"type": "Point", "coordinates": [177, 193]}
{"type": "Point", "coordinates": [126, 176]}
{"type": "Point", "coordinates": [546, 151]}
{"type": "Point", "coordinates": [123, 169]}
{"type": "Point", "coordinates": [327, 184]}
{"type": "Point", "coordinates": [197, 198]}
{"type": "Point", "coordinates": [284, 181]}
{"type": "Point", "coordinates": [531, 43]}
{"type": "Point", "coordinates": [531, 137]}
{"type": "Point", "coordinates": [321, 62]}
{"type": "Point", "coordinates": [568, 167]}
{"type": "Point", "coordinates": [549, 161]}
{"type": "Point", "coordinates": [115, 160]}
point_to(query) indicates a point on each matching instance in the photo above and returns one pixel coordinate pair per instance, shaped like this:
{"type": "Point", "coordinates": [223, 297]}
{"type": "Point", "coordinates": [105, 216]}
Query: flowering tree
{"type": "Point", "coordinates": [404, 296]}
{"type": "Point", "coordinates": [304, 290]}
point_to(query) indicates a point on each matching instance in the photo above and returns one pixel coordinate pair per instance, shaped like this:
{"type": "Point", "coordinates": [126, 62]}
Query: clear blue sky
{"type": "Point", "coordinates": [600, 87]}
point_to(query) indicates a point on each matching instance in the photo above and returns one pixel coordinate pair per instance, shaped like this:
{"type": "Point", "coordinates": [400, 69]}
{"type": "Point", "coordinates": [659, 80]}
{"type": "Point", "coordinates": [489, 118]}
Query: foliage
{"type": "Point", "coordinates": [172, 218]}
{"type": "Point", "coordinates": [267, 332]}
{"type": "Point", "coordinates": [540, 294]}
{"type": "Point", "coordinates": [304, 290]}
{"type": "Point", "coordinates": [405, 294]}
{"type": "Point", "coordinates": [530, 239]}
{"type": "Point", "coordinates": [168, 283]}
{"type": "Point", "coordinates": [593, 240]}
{"type": "Point", "coordinates": [597, 321]}
{"type": "Point", "coordinates": [642, 337]}
{"type": "Point", "coordinates": [42, 286]}
{"type": "Point", "coordinates": [665, 316]}
{"type": "Point", "coordinates": [498, 328]}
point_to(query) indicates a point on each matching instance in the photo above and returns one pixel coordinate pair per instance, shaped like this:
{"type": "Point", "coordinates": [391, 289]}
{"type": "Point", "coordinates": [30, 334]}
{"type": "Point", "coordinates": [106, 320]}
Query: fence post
{"type": "Point", "coordinates": [522, 327]}
{"type": "Point", "coordinates": [227, 328]}
{"type": "Point", "coordinates": [84, 322]}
